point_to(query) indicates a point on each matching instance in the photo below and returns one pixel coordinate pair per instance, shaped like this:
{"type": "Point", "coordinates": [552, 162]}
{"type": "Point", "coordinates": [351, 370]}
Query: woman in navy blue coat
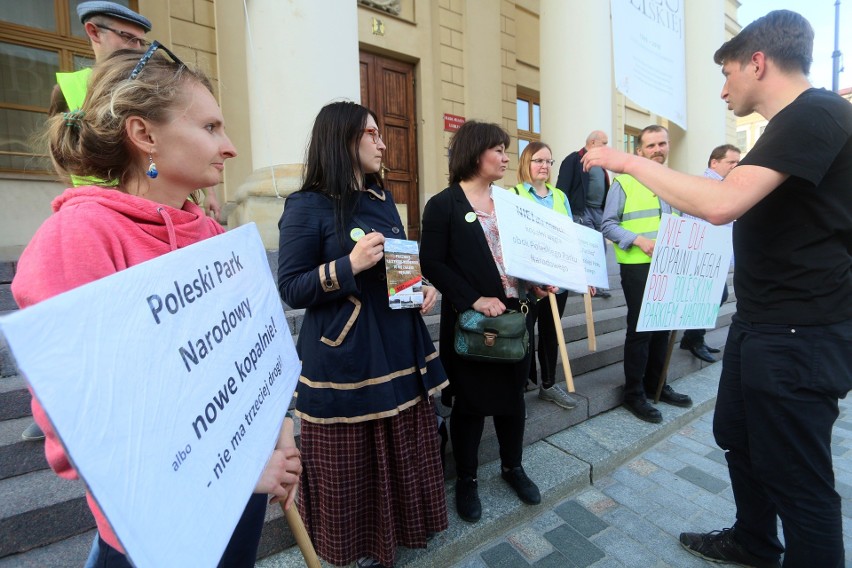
{"type": "Point", "coordinates": [461, 255]}
{"type": "Point", "coordinates": [372, 477]}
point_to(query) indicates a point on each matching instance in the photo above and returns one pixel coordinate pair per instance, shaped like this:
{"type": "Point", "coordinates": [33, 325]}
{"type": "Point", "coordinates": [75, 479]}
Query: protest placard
{"type": "Point", "coordinates": [167, 384]}
{"type": "Point", "coordinates": [594, 256]}
{"type": "Point", "coordinates": [689, 268]}
{"type": "Point", "coordinates": [539, 245]}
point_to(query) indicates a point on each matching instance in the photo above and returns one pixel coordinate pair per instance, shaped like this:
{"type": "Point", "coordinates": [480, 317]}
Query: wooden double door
{"type": "Point", "coordinates": [387, 88]}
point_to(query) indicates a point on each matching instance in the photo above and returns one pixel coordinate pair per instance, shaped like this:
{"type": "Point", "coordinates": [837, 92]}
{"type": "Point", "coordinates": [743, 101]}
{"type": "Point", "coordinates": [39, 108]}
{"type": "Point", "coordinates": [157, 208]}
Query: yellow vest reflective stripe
{"type": "Point", "coordinates": [558, 196]}
{"type": "Point", "coordinates": [641, 215]}
{"type": "Point", "coordinates": [74, 86]}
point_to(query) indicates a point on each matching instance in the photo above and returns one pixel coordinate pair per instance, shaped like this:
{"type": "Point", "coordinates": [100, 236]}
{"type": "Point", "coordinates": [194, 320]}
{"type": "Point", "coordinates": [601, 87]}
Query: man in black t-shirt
{"type": "Point", "coordinates": [788, 358]}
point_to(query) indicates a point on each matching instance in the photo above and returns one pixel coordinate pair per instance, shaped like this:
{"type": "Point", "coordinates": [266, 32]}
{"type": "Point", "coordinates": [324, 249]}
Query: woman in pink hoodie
{"type": "Point", "coordinates": [153, 127]}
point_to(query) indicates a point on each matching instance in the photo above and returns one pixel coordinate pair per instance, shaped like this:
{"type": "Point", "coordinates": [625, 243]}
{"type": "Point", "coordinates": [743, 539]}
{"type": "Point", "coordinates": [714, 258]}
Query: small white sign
{"type": "Point", "coordinates": [594, 255]}
{"type": "Point", "coordinates": [689, 269]}
{"type": "Point", "coordinates": [539, 244]}
{"type": "Point", "coordinates": [167, 384]}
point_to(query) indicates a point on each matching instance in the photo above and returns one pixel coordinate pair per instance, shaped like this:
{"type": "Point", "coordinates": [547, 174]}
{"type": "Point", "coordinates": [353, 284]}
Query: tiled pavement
{"type": "Point", "coordinates": [632, 516]}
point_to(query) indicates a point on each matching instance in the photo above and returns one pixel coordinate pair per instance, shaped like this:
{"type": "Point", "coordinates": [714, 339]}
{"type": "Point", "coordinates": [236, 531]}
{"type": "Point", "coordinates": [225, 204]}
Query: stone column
{"type": "Point", "coordinates": [300, 56]}
{"type": "Point", "coordinates": [704, 32]}
{"type": "Point", "coordinates": [576, 73]}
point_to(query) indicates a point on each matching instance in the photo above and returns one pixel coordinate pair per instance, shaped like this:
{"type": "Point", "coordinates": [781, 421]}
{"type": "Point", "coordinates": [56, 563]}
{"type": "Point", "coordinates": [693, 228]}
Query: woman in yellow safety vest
{"type": "Point", "coordinates": [534, 169]}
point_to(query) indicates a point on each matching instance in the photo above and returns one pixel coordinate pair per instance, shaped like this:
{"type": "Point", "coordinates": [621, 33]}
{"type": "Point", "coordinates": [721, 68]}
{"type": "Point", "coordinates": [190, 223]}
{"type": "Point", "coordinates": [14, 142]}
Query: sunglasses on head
{"type": "Point", "coordinates": [155, 45]}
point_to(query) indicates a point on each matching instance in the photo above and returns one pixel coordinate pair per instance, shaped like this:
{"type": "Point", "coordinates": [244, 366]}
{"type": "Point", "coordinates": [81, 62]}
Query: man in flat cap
{"type": "Point", "coordinates": [109, 27]}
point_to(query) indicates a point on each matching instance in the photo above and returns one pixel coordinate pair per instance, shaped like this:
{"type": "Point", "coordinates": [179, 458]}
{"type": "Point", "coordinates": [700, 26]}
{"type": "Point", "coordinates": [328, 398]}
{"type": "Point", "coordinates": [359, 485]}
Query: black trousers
{"type": "Point", "coordinates": [775, 411]}
{"type": "Point", "coordinates": [548, 344]}
{"type": "Point", "coordinates": [241, 551]}
{"type": "Point", "coordinates": [695, 337]}
{"type": "Point", "coordinates": [644, 352]}
{"type": "Point", "coordinates": [466, 433]}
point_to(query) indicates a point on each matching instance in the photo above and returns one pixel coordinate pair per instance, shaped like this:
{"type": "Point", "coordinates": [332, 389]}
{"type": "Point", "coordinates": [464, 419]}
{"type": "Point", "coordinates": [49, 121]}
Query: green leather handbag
{"type": "Point", "coordinates": [501, 339]}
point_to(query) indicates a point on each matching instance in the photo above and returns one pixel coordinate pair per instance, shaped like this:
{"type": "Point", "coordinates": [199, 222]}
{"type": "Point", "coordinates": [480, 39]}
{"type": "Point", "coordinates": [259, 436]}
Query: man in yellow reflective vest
{"type": "Point", "coordinates": [631, 219]}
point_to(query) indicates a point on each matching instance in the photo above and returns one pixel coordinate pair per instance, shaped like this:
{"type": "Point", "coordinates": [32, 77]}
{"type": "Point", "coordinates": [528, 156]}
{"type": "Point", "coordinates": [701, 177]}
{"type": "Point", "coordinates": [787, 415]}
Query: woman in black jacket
{"type": "Point", "coordinates": [461, 255]}
{"type": "Point", "coordinates": [372, 478]}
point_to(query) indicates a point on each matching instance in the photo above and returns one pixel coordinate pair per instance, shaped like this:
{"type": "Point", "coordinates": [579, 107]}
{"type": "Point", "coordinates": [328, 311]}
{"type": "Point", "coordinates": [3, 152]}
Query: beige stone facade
{"type": "Point", "coordinates": [470, 58]}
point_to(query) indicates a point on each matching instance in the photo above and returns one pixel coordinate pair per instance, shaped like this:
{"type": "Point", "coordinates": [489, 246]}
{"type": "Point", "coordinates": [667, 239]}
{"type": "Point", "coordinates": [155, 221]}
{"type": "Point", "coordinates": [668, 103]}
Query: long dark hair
{"type": "Point", "coordinates": [332, 164]}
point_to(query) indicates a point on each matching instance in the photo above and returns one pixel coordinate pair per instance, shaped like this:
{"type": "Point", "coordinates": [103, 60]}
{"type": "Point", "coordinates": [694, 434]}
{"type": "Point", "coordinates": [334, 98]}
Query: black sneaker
{"type": "Point", "coordinates": [644, 410]}
{"type": "Point", "coordinates": [669, 396]}
{"type": "Point", "coordinates": [468, 505]}
{"type": "Point", "coordinates": [721, 546]}
{"type": "Point", "coordinates": [527, 490]}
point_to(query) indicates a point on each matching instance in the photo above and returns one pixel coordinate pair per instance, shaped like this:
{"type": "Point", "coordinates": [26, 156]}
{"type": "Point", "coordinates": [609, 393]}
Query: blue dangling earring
{"type": "Point", "coordinates": [152, 168]}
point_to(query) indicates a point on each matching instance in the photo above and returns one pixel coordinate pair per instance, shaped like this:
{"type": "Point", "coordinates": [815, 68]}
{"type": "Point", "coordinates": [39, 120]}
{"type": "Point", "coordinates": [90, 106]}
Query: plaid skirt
{"type": "Point", "coordinates": [372, 486]}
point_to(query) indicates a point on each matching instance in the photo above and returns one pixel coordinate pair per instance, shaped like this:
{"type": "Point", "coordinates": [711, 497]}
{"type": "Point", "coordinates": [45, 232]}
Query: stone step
{"type": "Point", "coordinates": [7, 301]}
{"type": "Point", "coordinates": [8, 263]}
{"type": "Point", "coordinates": [14, 398]}
{"type": "Point", "coordinates": [7, 361]}
{"type": "Point", "coordinates": [18, 456]}
{"type": "Point", "coordinates": [40, 508]}
{"type": "Point", "coordinates": [69, 552]}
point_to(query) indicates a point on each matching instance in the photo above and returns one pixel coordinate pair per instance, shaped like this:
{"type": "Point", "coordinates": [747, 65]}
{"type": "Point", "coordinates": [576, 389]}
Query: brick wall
{"type": "Point", "coordinates": [193, 32]}
{"type": "Point", "coordinates": [450, 20]}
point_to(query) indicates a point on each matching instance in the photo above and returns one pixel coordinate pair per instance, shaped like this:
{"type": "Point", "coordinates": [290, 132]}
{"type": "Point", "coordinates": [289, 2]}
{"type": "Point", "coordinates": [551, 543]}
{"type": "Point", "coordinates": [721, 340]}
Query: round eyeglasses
{"type": "Point", "coordinates": [374, 134]}
{"type": "Point", "coordinates": [541, 161]}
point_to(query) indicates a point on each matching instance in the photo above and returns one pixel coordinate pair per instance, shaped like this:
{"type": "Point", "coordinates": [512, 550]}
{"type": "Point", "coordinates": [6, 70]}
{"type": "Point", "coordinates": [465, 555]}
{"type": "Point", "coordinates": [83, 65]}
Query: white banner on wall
{"type": "Point", "coordinates": [648, 53]}
{"type": "Point", "coordinates": [167, 384]}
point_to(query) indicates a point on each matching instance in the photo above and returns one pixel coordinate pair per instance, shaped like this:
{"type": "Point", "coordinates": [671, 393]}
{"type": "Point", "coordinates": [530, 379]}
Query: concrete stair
{"type": "Point", "coordinates": [44, 520]}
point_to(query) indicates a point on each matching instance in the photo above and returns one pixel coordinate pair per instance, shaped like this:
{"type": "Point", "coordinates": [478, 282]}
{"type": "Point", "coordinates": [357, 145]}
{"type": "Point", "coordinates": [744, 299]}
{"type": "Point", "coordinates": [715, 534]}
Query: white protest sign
{"type": "Point", "coordinates": [649, 55]}
{"type": "Point", "coordinates": [689, 269]}
{"type": "Point", "coordinates": [167, 383]}
{"type": "Point", "coordinates": [594, 256]}
{"type": "Point", "coordinates": [539, 244]}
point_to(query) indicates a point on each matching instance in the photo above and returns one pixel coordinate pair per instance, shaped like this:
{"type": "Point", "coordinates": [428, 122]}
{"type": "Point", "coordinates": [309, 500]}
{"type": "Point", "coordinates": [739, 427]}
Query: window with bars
{"type": "Point", "coordinates": [38, 38]}
{"type": "Point", "coordinates": [529, 119]}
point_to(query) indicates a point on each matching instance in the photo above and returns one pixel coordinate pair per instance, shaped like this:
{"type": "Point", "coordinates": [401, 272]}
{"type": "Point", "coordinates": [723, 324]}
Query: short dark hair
{"type": "Point", "coordinates": [468, 143]}
{"type": "Point", "coordinates": [646, 130]}
{"type": "Point", "coordinates": [783, 36]}
{"type": "Point", "coordinates": [719, 152]}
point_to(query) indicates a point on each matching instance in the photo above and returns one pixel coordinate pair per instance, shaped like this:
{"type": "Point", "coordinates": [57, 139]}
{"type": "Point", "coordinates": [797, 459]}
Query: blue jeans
{"type": "Point", "coordinates": [775, 411]}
